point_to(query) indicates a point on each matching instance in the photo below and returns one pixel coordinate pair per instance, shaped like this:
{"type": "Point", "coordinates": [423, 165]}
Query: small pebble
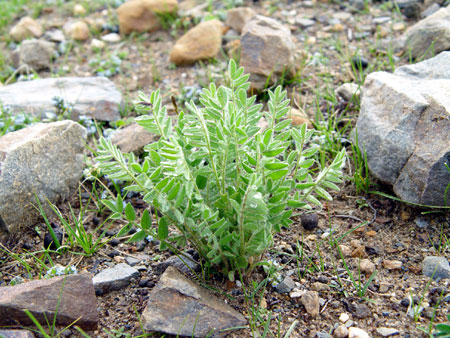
{"type": "Point", "coordinates": [309, 221]}
{"type": "Point", "coordinates": [387, 331]}
{"type": "Point", "coordinates": [341, 332]}
{"type": "Point", "coordinates": [354, 332]}
{"type": "Point", "coordinates": [344, 317]}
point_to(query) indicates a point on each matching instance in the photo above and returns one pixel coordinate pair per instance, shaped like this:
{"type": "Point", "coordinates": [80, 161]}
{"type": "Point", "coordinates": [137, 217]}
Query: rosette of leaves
{"type": "Point", "coordinates": [221, 182]}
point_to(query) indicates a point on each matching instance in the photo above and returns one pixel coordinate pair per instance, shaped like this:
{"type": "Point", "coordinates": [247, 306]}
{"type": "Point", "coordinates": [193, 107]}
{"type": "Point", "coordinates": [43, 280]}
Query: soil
{"type": "Point", "coordinates": [394, 230]}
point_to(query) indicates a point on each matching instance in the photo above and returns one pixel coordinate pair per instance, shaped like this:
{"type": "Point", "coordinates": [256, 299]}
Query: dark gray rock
{"type": "Point", "coordinates": [70, 297]}
{"type": "Point", "coordinates": [44, 159]}
{"type": "Point", "coordinates": [435, 266]}
{"type": "Point", "coordinates": [409, 8]}
{"type": "Point", "coordinates": [187, 265]}
{"type": "Point", "coordinates": [285, 286]}
{"type": "Point", "coordinates": [429, 36]}
{"type": "Point", "coordinates": [36, 54]}
{"type": "Point", "coordinates": [115, 278]}
{"type": "Point", "coordinates": [403, 127]}
{"type": "Point", "coordinates": [93, 97]}
{"type": "Point", "coordinates": [177, 305]}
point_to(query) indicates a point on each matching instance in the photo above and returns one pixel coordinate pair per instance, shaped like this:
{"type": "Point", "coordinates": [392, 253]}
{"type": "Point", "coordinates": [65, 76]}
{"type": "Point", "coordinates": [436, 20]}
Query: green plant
{"type": "Point", "coordinates": [361, 176]}
{"type": "Point", "coordinates": [223, 183]}
{"type": "Point", "coordinates": [443, 330]}
{"type": "Point", "coordinates": [109, 66]}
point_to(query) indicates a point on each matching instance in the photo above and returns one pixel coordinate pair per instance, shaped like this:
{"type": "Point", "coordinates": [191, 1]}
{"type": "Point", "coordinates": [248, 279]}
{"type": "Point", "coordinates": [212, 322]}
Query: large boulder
{"type": "Point", "coordinates": [404, 127]}
{"type": "Point", "coordinates": [93, 97]}
{"type": "Point", "coordinates": [142, 15]}
{"type": "Point", "coordinates": [199, 43]}
{"type": "Point", "coordinates": [429, 36]}
{"type": "Point", "coordinates": [267, 50]}
{"type": "Point", "coordinates": [178, 306]}
{"type": "Point", "coordinates": [44, 160]}
{"type": "Point", "coordinates": [70, 298]}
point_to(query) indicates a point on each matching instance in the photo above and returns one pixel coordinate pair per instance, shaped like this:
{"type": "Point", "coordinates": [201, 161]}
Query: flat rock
{"type": "Point", "coordinates": [142, 15]}
{"type": "Point", "coordinates": [238, 17]}
{"type": "Point", "coordinates": [133, 138]}
{"type": "Point", "coordinates": [115, 278]}
{"type": "Point", "coordinates": [403, 127]}
{"type": "Point", "coordinates": [71, 297]}
{"type": "Point", "coordinates": [429, 36]}
{"type": "Point", "coordinates": [436, 266]}
{"type": "Point", "coordinates": [44, 159]}
{"type": "Point", "coordinates": [178, 306]}
{"type": "Point", "coordinates": [27, 27]}
{"type": "Point", "coordinates": [387, 331]}
{"type": "Point", "coordinates": [16, 334]}
{"type": "Point", "coordinates": [267, 50]}
{"type": "Point", "coordinates": [93, 97]}
{"type": "Point", "coordinates": [36, 54]}
{"type": "Point", "coordinates": [201, 42]}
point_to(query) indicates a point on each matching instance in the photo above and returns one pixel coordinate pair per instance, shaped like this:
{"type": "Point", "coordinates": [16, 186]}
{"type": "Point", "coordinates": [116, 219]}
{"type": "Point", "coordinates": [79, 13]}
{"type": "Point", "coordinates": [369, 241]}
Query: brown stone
{"type": "Point", "coordinates": [142, 15]}
{"type": "Point", "coordinates": [238, 17]}
{"type": "Point", "coordinates": [392, 264]}
{"type": "Point", "coordinates": [132, 138]}
{"type": "Point", "coordinates": [26, 28]}
{"type": "Point", "coordinates": [267, 50]}
{"type": "Point", "coordinates": [199, 43]}
{"type": "Point", "coordinates": [77, 30]}
{"type": "Point", "coordinates": [298, 118]}
{"type": "Point", "coordinates": [178, 306]}
{"type": "Point", "coordinates": [71, 297]}
{"type": "Point", "coordinates": [310, 301]}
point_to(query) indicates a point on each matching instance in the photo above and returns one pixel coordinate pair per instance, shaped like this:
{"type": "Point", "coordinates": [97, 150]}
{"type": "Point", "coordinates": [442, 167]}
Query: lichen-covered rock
{"type": "Point", "coordinates": [44, 160]}
{"type": "Point", "coordinates": [142, 15]}
{"type": "Point", "coordinates": [267, 50]}
{"type": "Point", "coordinates": [199, 43]}
{"type": "Point", "coordinates": [404, 128]}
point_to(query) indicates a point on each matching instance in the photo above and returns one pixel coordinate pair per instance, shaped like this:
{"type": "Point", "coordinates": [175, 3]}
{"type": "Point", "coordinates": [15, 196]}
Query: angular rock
{"type": "Point", "coordinates": [133, 138]}
{"type": "Point", "coordinates": [114, 278]}
{"type": "Point", "coordinates": [77, 30]}
{"type": "Point", "coordinates": [16, 334]}
{"type": "Point", "coordinates": [435, 266]}
{"type": "Point", "coordinates": [71, 297]}
{"type": "Point", "coordinates": [199, 43]}
{"type": "Point", "coordinates": [177, 305]}
{"type": "Point", "coordinates": [238, 17]}
{"type": "Point", "coordinates": [55, 35]}
{"type": "Point", "coordinates": [341, 331]}
{"type": "Point", "coordinates": [403, 127]}
{"type": "Point", "coordinates": [26, 28]}
{"type": "Point", "coordinates": [267, 50]}
{"type": "Point", "coordinates": [36, 54]}
{"type": "Point", "coordinates": [44, 159]}
{"type": "Point", "coordinates": [142, 15]}
{"type": "Point", "coordinates": [367, 266]}
{"type": "Point", "coordinates": [430, 10]}
{"type": "Point", "coordinates": [310, 301]}
{"type": "Point", "coordinates": [392, 264]}
{"type": "Point", "coordinates": [286, 285]}
{"type": "Point", "coordinates": [429, 36]}
{"type": "Point", "coordinates": [93, 97]}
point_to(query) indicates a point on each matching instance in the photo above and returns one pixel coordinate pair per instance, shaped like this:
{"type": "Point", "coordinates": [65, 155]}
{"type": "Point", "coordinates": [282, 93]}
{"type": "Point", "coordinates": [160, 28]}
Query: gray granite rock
{"type": "Point", "coordinates": [286, 285]}
{"type": "Point", "coordinates": [177, 305]}
{"type": "Point", "coordinates": [436, 266]}
{"type": "Point", "coordinates": [36, 54]}
{"type": "Point", "coordinates": [95, 97]}
{"type": "Point", "coordinates": [403, 127]}
{"type": "Point", "coordinates": [16, 334]}
{"type": "Point", "coordinates": [115, 278]}
{"type": "Point", "coordinates": [44, 159]}
{"type": "Point", "coordinates": [429, 36]}
{"type": "Point", "coordinates": [70, 297]}
{"type": "Point", "coordinates": [187, 265]}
